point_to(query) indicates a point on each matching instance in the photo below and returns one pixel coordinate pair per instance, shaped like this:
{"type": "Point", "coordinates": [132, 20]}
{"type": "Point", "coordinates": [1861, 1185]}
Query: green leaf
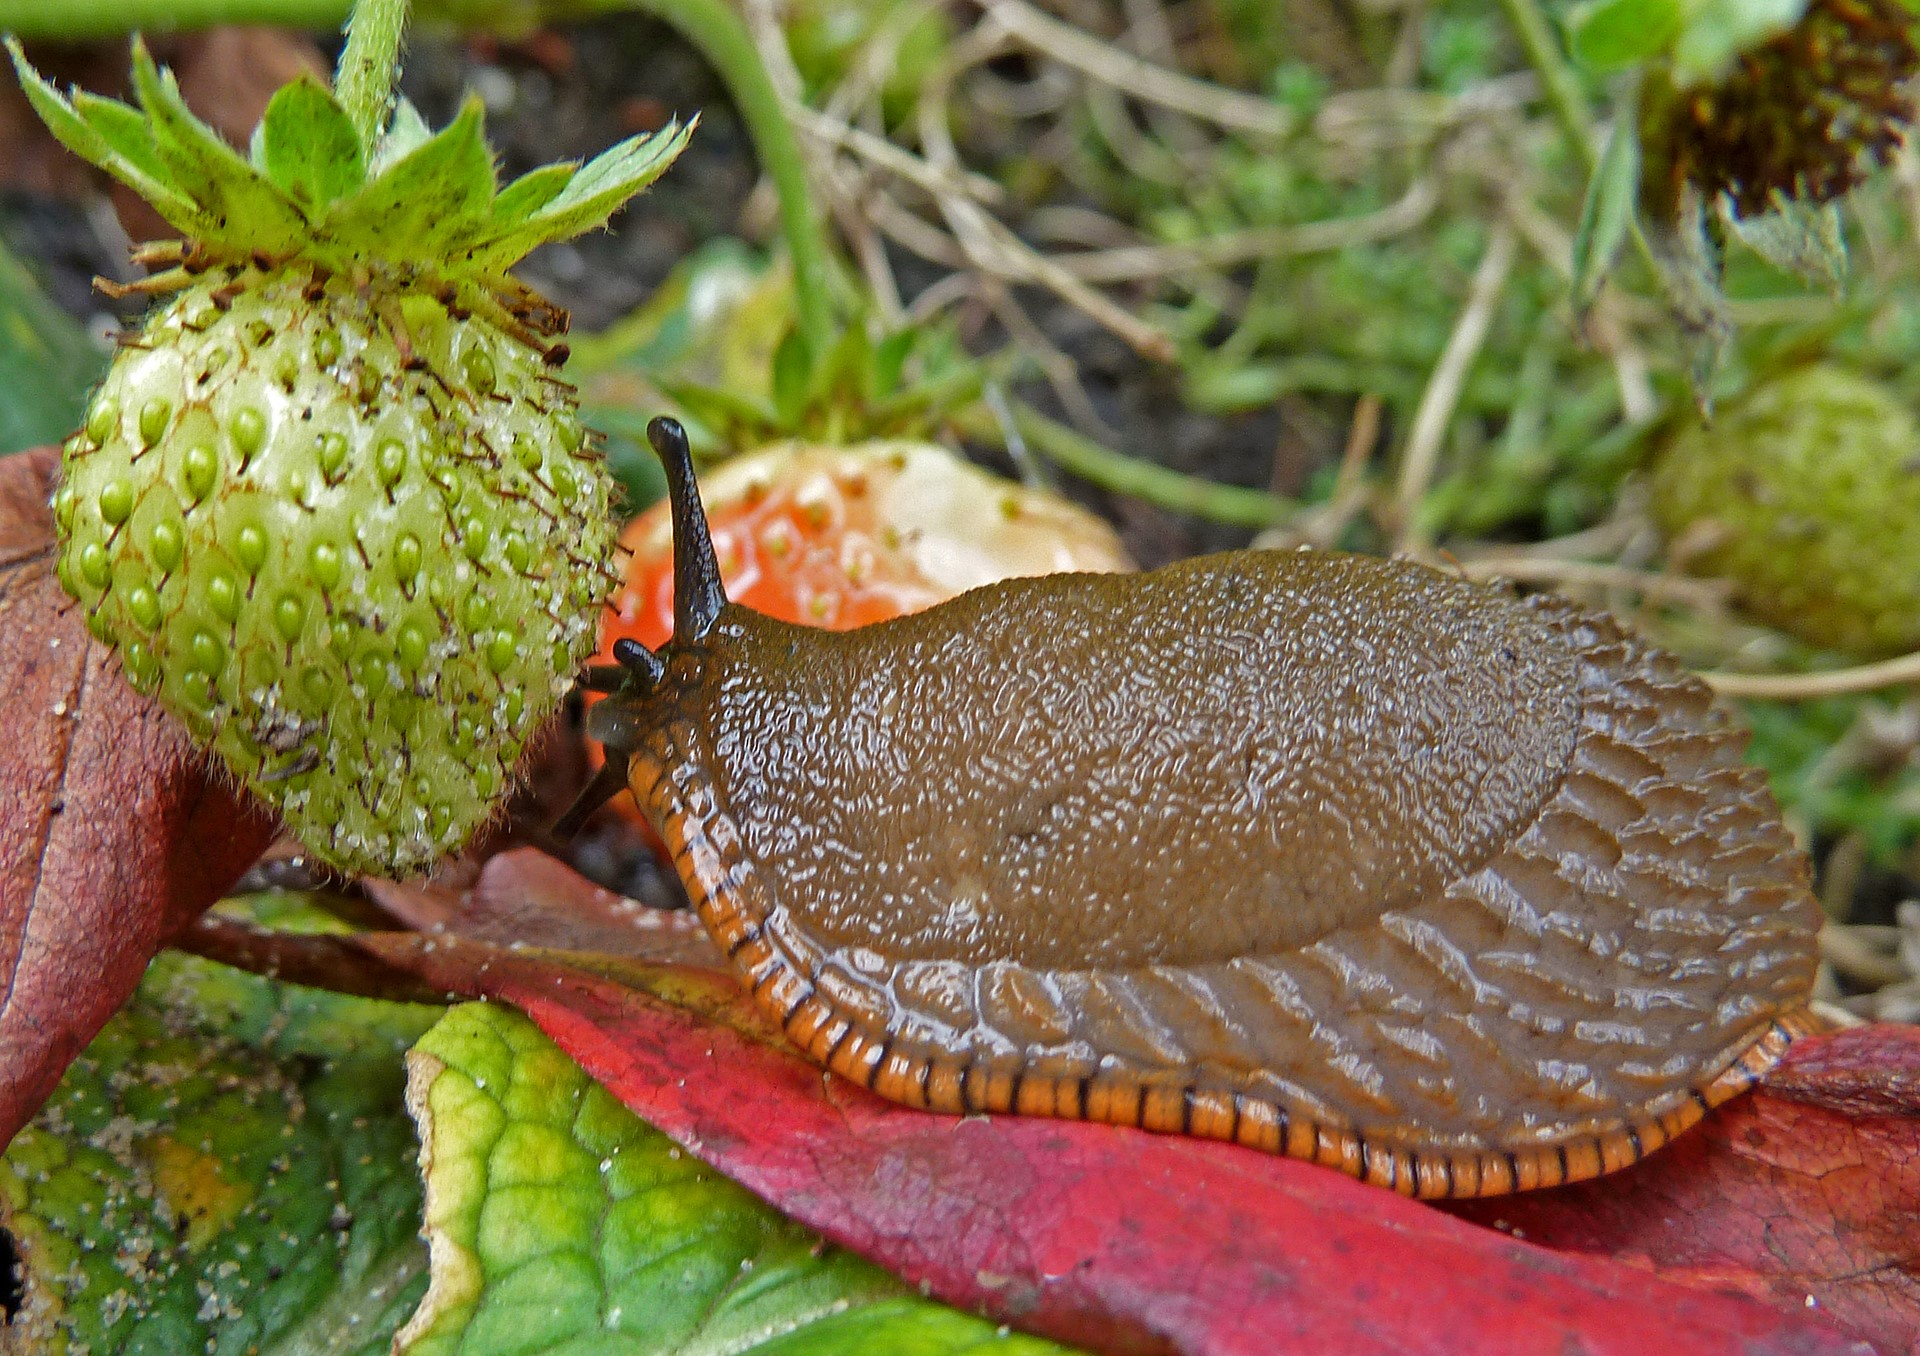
{"type": "Point", "coordinates": [564, 1226]}
{"type": "Point", "coordinates": [598, 190]}
{"type": "Point", "coordinates": [792, 377]}
{"type": "Point", "coordinates": [126, 131]}
{"type": "Point", "coordinates": [215, 1174]}
{"type": "Point", "coordinates": [529, 193]}
{"type": "Point", "coordinates": [1608, 35]}
{"type": "Point", "coordinates": [144, 173]}
{"type": "Point", "coordinates": [847, 372]}
{"type": "Point", "coordinates": [47, 362]}
{"type": "Point", "coordinates": [722, 407]}
{"type": "Point", "coordinates": [307, 145]}
{"type": "Point", "coordinates": [890, 361]}
{"type": "Point", "coordinates": [239, 206]}
{"type": "Point", "coordinates": [1608, 210]}
{"type": "Point", "coordinates": [936, 394]}
{"type": "Point", "coordinates": [439, 193]}
{"type": "Point", "coordinates": [1802, 238]}
{"type": "Point", "coordinates": [1717, 31]}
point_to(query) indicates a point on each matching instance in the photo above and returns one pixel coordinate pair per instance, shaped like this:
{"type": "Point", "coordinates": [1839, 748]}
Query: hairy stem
{"type": "Point", "coordinates": [364, 80]}
{"type": "Point", "coordinates": [75, 20]}
{"type": "Point", "coordinates": [1557, 79]}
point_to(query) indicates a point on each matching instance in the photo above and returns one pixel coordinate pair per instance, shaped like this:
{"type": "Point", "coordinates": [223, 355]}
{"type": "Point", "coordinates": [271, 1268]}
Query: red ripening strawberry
{"type": "Point", "coordinates": [838, 537]}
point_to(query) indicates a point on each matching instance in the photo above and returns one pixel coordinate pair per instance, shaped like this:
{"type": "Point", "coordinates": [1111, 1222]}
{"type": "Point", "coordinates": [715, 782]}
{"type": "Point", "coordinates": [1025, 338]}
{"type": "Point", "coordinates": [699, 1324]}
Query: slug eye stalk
{"type": "Point", "coordinates": [635, 658]}
{"type": "Point", "coordinates": [698, 594]}
{"type": "Point", "coordinates": [603, 678]}
{"type": "Point", "coordinates": [638, 671]}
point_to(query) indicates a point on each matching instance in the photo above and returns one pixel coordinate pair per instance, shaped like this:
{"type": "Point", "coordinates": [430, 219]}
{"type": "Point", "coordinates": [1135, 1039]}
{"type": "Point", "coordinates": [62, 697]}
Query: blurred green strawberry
{"type": "Point", "coordinates": [334, 506]}
{"type": "Point", "coordinates": [1805, 493]}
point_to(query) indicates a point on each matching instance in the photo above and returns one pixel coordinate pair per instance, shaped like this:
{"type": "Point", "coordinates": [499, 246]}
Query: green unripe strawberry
{"type": "Point", "coordinates": [359, 582]}
{"type": "Point", "coordinates": [1805, 493]}
{"type": "Point", "coordinates": [334, 507]}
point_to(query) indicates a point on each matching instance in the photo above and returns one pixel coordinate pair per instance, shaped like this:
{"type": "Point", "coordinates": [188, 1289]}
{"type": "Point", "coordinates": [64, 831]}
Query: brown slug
{"type": "Point", "coordinates": [1343, 858]}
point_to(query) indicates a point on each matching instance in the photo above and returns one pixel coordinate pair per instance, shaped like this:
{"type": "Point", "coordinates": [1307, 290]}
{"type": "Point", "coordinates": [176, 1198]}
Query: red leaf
{"type": "Point", "coordinates": [114, 834]}
{"type": "Point", "coordinates": [1111, 1238]}
{"type": "Point", "coordinates": [1806, 1194]}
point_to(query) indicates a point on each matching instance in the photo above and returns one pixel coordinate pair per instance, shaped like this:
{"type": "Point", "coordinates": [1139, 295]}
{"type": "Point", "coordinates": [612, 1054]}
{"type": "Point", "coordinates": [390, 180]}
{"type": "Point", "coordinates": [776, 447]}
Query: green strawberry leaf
{"type": "Point", "coordinates": [941, 390]}
{"type": "Point", "coordinates": [125, 130]}
{"type": "Point", "coordinates": [563, 1225]}
{"type": "Point", "coordinates": [792, 377]}
{"type": "Point", "coordinates": [100, 140]}
{"type": "Point", "coordinates": [890, 362]}
{"type": "Point", "coordinates": [1607, 213]}
{"type": "Point", "coordinates": [216, 1174]}
{"type": "Point", "coordinates": [429, 202]}
{"type": "Point", "coordinates": [598, 190]}
{"type": "Point", "coordinates": [721, 407]}
{"type": "Point", "coordinates": [243, 208]}
{"type": "Point", "coordinates": [532, 191]}
{"type": "Point", "coordinates": [1609, 35]}
{"type": "Point", "coordinates": [847, 369]}
{"type": "Point", "coordinates": [307, 146]}
{"type": "Point", "coordinates": [1717, 31]}
{"type": "Point", "coordinates": [439, 193]}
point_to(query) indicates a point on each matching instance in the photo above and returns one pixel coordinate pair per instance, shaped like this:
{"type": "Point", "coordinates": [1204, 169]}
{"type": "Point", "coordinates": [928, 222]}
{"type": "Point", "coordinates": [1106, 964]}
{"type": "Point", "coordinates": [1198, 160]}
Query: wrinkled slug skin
{"type": "Point", "coordinates": [1338, 857]}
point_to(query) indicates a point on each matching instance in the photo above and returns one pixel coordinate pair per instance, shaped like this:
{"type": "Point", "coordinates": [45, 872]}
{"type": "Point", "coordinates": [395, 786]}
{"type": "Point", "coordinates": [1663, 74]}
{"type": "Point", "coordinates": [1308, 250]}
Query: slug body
{"type": "Point", "coordinates": [1334, 856]}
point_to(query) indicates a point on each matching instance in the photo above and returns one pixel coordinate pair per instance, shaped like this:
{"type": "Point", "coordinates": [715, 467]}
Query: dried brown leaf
{"type": "Point", "coordinates": [116, 833]}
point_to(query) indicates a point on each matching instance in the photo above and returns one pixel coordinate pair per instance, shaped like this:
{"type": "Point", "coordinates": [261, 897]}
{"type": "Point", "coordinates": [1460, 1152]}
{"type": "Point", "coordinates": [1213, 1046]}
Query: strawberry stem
{"type": "Point", "coordinates": [1080, 455]}
{"type": "Point", "coordinates": [723, 40]}
{"type": "Point", "coordinates": [81, 20]}
{"type": "Point", "coordinates": [1566, 100]}
{"type": "Point", "coordinates": [368, 65]}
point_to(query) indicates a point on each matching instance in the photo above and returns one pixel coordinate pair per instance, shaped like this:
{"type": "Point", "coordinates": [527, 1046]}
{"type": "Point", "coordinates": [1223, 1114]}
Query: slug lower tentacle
{"type": "Point", "coordinates": [1333, 856]}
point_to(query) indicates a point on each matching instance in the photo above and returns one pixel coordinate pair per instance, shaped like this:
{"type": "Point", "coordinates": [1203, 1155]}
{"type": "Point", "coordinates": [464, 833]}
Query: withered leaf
{"type": "Point", "coordinates": [116, 832]}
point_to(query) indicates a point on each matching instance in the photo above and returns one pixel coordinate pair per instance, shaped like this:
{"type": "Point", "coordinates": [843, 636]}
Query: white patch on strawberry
{"type": "Point", "coordinates": [841, 536]}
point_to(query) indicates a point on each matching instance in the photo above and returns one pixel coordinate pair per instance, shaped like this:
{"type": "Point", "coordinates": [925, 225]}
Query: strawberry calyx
{"type": "Point", "coordinates": [425, 211]}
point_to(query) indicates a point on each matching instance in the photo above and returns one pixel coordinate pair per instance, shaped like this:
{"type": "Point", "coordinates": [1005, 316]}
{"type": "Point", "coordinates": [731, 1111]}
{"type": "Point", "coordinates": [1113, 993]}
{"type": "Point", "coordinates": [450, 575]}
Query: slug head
{"type": "Point", "coordinates": [698, 597]}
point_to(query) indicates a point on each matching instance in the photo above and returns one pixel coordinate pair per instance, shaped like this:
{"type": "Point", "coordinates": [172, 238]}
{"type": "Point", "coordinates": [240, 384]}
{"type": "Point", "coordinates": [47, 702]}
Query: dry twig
{"type": "Point", "coordinates": [1794, 687]}
{"type": "Point", "coordinates": [1135, 262]}
{"type": "Point", "coordinates": [988, 243]}
{"type": "Point", "coordinates": [1437, 402]}
{"type": "Point", "coordinates": [1136, 76]}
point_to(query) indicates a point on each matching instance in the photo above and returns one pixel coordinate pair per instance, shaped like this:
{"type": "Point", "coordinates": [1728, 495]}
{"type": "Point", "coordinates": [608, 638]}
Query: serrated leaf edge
{"type": "Point", "coordinates": [229, 203]}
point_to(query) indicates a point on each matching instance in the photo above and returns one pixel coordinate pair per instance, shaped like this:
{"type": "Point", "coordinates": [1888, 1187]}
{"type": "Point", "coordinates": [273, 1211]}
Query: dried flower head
{"type": "Point", "coordinates": [1805, 115]}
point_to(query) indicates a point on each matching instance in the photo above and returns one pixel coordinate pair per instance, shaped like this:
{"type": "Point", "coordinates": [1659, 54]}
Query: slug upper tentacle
{"type": "Point", "coordinates": [1332, 856]}
{"type": "Point", "coordinates": [698, 600]}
